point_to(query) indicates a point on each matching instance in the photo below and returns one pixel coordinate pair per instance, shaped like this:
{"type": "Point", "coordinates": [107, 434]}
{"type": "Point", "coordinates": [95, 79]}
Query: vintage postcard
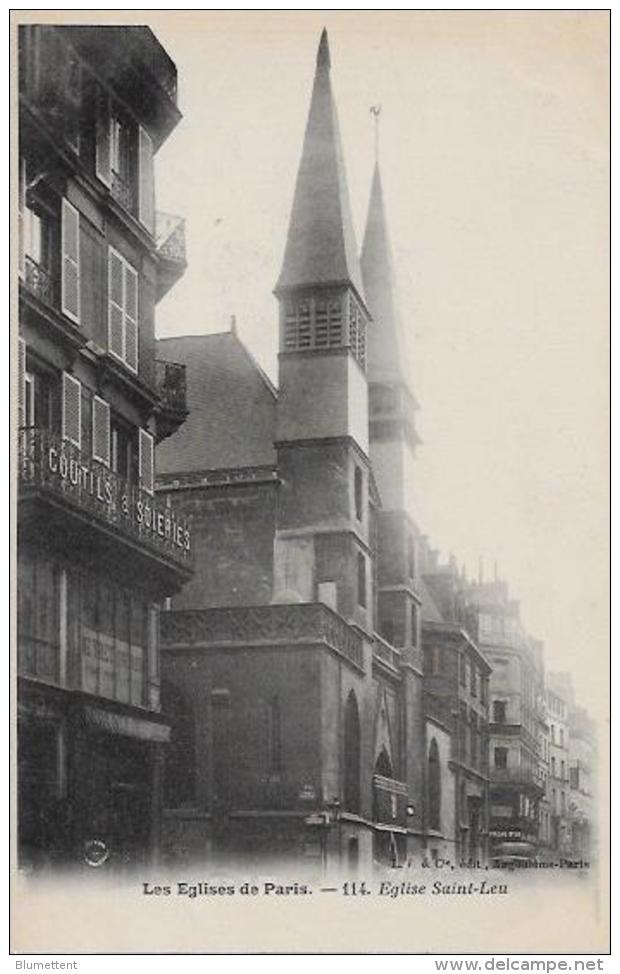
{"type": "Point", "coordinates": [310, 357]}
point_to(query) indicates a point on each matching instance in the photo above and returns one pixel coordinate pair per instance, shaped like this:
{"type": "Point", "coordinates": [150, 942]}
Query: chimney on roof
{"type": "Point", "coordinates": [480, 571]}
{"type": "Point", "coordinates": [233, 325]}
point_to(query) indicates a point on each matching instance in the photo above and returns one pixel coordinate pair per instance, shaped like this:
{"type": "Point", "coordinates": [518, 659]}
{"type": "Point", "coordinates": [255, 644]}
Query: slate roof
{"type": "Point", "coordinates": [321, 246]}
{"type": "Point", "coordinates": [232, 406]}
{"type": "Point", "coordinates": [385, 344]}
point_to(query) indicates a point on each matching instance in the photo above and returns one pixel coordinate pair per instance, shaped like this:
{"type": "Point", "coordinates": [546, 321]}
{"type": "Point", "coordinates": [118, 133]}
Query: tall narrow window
{"type": "Point", "coordinates": [29, 399]}
{"type": "Point", "coordinates": [500, 757]}
{"type": "Point", "coordinates": [359, 484]}
{"type": "Point", "coordinates": [352, 755]}
{"type": "Point", "coordinates": [21, 219]}
{"type": "Point", "coordinates": [101, 431]}
{"type": "Point", "coordinates": [73, 99]}
{"type": "Point", "coordinates": [499, 711]}
{"type": "Point", "coordinates": [103, 161]}
{"type": "Point", "coordinates": [414, 624]}
{"type": "Point", "coordinates": [146, 181]}
{"type": "Point", "coordinates": [410, 557]}
{"type": "Point", "coordinates": [122, 310]}
{"type": "Point", "coordinates": [21, 382]}
{"type": "Point", "coordinates": [70, 272]}
{"type": "Point", "coordinates": [361, 580]}
{"type": "Point", "coordinates": [71, 409]}
{"type": "Point", "coordinates": [274, 736]}
{"type": "Point", "coordinates": [145, 461]}
{"type": "Point", "coordinates": [434, 787]}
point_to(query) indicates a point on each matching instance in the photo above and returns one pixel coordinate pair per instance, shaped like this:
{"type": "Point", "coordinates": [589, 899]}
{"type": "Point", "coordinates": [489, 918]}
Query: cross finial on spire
{"type": "Point", "coordinates": [323, 59]}
{"type": "Point", "coordinates": [375, 111]}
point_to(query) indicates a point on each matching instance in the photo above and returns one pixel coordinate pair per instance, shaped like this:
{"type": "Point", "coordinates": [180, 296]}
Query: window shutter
{"type": "Point", "coordinates": [71, 409]}
{"type": "Point", "coordinates": [101, 431]}
{"type": "Point", "coordinates": [146, 181]}
{"type": "Point", "coordinates": [145, 461]}
{"type": "Point", "coordinates": [21, 218]}
{"type": "Point", "coordinates": [131, 318]}
{"type": "Point", "coordinates": [21, 382]}
{"type": "Point", "coordinates": [115, 304]}
{"type": "Point", "coordinates": [70, 284]}
{"type": "Point", "coordinates": [102, 153]}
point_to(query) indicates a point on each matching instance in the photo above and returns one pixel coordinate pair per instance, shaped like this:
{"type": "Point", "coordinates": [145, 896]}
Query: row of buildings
{"type": "Point", "coordinates": [234, 641]}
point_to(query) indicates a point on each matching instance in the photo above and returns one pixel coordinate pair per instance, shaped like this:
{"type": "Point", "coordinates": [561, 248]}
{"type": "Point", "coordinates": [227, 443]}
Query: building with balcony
{"type": "Point", "coordinates": [456, 698]}
{"type": "Point", "coordinates": [558, 782]}
{"type": "Point", "coordinates": [582, 774]}
{"type": "Point", "coordinates": [516, 703]}
{"type": "Point", "coordinates": [97, 549]}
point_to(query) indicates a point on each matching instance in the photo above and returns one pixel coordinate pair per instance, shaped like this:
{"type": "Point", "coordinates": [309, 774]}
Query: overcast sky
{"type": "Point", "coordinates": [495, 172]}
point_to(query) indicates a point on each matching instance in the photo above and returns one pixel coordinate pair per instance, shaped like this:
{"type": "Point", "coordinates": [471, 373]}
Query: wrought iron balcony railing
{"type": "Point", "coordinates": [58, 468]}
{"type": "Point", "coordinates": [171, 385]}
{"type": "Point", "coordinates": [170, 236]}
{"type": "Point", "coordinates": [38, 279]}
{"type": "Point", "coordinates": [266, 624]}
{"type": "Point", "coordinates": [518, 777]}
{"type": "Point", "coordinates": [122, 191]}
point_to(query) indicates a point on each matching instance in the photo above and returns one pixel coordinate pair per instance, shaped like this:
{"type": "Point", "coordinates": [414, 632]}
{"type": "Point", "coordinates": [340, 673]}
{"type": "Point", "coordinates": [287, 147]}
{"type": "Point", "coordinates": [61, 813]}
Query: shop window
{"type": "Point", "coordinates": [113, 640]}
{"type": "Point", "coordinates": [38, 626]}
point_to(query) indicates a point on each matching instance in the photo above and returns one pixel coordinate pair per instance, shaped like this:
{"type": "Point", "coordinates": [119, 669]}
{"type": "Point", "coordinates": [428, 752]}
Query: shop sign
{"type": "Point", "coordinates": [119, 502]}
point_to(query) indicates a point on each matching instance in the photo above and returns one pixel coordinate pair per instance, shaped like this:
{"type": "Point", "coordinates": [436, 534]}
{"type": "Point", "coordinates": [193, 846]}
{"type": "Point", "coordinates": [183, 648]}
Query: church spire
{"type": "Point", "coordinates": [321, 247]}
{"type": "Point", "coordinates": [385, 341]}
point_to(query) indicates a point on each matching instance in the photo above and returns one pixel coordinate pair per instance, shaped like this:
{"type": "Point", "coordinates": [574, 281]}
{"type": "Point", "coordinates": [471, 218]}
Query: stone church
{"type": "Point", "coordinates": [307, 666]}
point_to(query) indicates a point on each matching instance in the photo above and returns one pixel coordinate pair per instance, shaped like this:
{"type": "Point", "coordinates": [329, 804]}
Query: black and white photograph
{"type": "Point", "coordinates": [310, 351]}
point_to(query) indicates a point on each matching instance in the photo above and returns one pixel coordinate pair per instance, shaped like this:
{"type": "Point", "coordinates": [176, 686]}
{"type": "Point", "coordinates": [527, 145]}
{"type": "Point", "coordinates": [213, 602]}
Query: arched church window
{"type": "Point", "coordinates": [383, 765]}
{"type": "Point", "coordinates": [352, 755]}
{"type": "Point", "coordinates": [434, 787]}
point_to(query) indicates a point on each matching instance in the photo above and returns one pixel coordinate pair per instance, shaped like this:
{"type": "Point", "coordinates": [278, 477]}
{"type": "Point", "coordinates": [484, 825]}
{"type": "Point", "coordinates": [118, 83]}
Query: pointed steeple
{"type": "Point", "coordinates": [321, 247]}
{"type": "Point", "coordinates": [385, 340]}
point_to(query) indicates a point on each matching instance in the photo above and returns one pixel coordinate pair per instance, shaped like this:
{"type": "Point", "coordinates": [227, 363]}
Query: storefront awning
{"type": "Point", "coordinates": [126, 725]}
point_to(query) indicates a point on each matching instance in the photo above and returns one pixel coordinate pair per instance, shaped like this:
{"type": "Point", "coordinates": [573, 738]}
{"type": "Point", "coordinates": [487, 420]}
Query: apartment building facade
{"type": "Point", "coordinates": [97, 552]}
